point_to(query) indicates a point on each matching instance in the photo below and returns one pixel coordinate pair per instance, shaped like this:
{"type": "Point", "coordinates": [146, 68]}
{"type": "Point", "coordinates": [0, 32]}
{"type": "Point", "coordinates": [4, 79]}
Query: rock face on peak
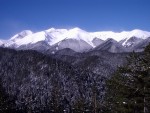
{"type": "Point", "coordinates": [76, 45]}
{"type": "Point", "coordinates": [111, 45]}
{"type": "Point", "coordinates": [96, 41]}
{"type": "Point", "coordinates": [141, 45]}
{"type": "Point", "coordinates": [131, 41]}
{"type": "Point", "coordinates": [39, 46]}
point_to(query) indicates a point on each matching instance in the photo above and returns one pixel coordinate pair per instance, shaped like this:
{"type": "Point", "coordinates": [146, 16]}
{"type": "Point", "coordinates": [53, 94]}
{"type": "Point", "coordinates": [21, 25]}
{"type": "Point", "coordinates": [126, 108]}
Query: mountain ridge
{"type": "Point", "coordinates": [77, 39]}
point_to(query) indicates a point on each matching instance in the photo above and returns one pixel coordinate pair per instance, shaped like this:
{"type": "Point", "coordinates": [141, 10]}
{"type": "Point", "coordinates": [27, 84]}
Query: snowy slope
{"type": "Point", "coordinates": [27, 38]}
{"type": "Point", "coordinates": [1, 42]}
{"type": "Point", "coordinates": [125, 37]}
{"type": "Point", "coordinates": [118, 36]}
{"type": "Point", "coordinates": [21, 35]}
{"type": "Point", "coordinates": [58, 35]}
{"type": "Point", "coordinates": [104, 35]}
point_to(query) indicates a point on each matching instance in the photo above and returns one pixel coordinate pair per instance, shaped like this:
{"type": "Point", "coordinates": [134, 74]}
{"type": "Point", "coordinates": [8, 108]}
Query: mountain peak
{"type": "Point", "coordinates": [50, 30]}
{"type": "Point", "coordinates": [139, 33]}
{"type": "Point", "coordinates": [137, 30]}
{"type": "Point", "coordinates": [76, 30]}
{"type": "Point", "coordinates": [22, 34]}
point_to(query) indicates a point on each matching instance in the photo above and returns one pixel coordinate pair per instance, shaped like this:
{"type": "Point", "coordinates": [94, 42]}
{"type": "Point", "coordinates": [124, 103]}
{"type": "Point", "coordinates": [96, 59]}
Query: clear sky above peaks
{"type": "Point", "coordinates": [90, 15]}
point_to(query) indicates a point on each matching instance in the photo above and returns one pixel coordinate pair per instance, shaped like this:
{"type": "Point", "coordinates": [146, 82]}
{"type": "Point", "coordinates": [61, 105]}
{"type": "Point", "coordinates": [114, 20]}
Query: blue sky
{"type": "Point", "coordinates": [90, 15]}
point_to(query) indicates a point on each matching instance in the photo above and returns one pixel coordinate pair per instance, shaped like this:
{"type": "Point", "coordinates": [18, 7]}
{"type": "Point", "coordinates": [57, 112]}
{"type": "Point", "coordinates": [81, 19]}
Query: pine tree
{"type": "Point", "coordinates": [128, 90]}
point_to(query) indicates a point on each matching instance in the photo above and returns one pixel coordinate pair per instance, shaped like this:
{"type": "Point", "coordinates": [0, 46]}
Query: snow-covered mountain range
{"type": "Point", "coordinates": [79, 40]}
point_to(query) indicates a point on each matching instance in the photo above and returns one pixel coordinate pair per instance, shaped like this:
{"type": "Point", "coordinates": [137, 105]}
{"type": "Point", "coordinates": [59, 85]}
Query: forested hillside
{"type": "Point", "coordinates": [32, 82]}
{"type": "Point", "coordinates": [128, 90]}
{"type": "Point", "coordinates": [38, 83]}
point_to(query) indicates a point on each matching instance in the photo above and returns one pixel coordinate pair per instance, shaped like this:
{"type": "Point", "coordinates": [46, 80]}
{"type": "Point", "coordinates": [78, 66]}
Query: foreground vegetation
{"type": "Point", "coordinates": [45, 85]}
{"type": "Point", "coordinates": [128, 90]}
